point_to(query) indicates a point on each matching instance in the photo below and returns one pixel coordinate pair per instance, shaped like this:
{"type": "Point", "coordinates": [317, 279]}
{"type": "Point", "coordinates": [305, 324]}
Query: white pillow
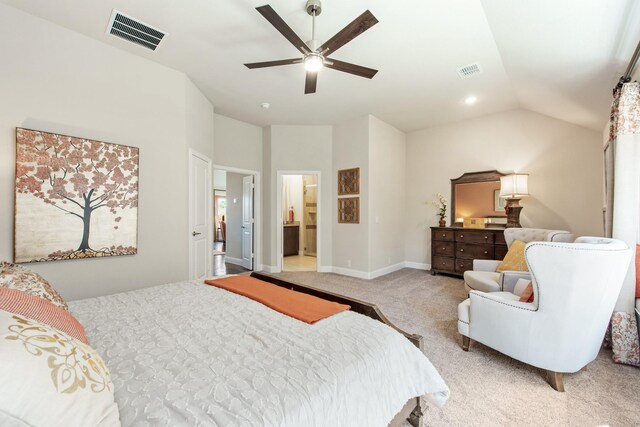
{"type": "Point", "coordinates": [50, 378]}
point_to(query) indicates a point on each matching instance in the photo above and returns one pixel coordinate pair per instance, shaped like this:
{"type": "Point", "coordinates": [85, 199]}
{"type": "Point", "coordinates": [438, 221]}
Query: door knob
{"type": "Point", "coordinates": [195, 234]}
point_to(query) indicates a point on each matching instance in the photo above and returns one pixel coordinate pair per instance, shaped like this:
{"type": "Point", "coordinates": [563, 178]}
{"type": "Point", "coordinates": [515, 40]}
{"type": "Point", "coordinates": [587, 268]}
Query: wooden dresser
{"type": "Point", "coordinates": [453, 249]}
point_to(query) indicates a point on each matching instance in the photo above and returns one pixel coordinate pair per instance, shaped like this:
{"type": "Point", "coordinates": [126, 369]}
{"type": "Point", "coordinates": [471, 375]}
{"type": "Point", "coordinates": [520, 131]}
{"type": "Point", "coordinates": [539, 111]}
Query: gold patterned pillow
{"type": "Point", "coordinates": [51, 378]}
{"type": "Point", "coordinates": [514, 259]}
{"type": "Point", "coordinates": [14, 276]}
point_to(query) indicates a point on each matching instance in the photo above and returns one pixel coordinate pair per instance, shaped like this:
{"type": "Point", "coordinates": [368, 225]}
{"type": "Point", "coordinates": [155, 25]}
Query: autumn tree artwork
{"type": "Point", "coordinates": [75, 198]}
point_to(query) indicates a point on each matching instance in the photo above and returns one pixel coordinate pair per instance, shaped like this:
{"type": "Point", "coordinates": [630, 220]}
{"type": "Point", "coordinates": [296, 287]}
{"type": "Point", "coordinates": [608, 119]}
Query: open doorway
{"type": "Point", "coordinates": [234, 221]}
{"type": "Point", "coordinates": [300, 222]}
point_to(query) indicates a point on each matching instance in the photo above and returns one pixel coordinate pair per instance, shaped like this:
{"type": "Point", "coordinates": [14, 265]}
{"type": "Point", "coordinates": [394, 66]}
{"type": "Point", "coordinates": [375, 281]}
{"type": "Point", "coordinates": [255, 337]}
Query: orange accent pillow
{"type": "Point", "coordinates": [41, 310]}
{"type": "Point", "coordinates": [298, 305]}
{"type": "Point", "coordinates": [637, 271]}
{"type": "Point", "coordinates": [527, 294]}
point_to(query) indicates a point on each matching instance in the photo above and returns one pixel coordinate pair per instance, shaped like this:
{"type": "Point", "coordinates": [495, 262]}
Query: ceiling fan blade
{"type": "Point", "coordinates": [275, 20]}
{"type": "Point", "coordinates": [310, 82]}
{"type": "Point", "coordinates": [274, 63]}
{"type": "Point", "coordinates": [347, 67]}
{"type": "Point", "coordinates": [358, 26]}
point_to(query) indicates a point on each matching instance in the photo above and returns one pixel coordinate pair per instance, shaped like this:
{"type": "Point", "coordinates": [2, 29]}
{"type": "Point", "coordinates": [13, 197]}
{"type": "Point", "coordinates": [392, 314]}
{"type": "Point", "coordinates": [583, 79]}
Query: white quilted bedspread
{"type": "Point", "coordinates": [188, 354]}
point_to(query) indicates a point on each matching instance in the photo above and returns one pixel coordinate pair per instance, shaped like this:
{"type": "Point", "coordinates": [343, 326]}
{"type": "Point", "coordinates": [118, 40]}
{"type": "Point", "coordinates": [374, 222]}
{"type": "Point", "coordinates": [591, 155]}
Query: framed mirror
{"type": "Point", "coordinates": [474, 195]}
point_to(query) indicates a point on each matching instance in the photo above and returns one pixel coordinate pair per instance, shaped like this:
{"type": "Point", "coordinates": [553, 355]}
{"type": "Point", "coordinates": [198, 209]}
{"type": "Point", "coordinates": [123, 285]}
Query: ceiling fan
{"type": "Point", "coordinates": [315, 54]}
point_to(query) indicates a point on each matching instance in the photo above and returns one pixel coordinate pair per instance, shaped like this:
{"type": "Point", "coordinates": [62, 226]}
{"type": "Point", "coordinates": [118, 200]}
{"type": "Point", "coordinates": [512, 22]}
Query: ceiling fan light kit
{"type": "Point", "coordinates": [315, 55]}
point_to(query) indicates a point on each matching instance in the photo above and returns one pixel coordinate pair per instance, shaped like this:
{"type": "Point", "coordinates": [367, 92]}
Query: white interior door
{"type": "Point", "coordinates": [247, 222]}
{"type": "Point", "coordinates": [200, 195]}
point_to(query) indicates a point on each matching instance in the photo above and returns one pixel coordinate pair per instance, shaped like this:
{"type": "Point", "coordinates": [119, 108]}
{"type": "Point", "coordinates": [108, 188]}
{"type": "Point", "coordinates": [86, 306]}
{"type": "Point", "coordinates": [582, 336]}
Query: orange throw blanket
{"type": "Point", "coordinates": [295, 304]}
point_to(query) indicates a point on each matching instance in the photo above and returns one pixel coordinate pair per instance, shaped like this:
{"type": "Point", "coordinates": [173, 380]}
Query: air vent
{"type": "Point", "coordinates": [469, 70]}
{"type": "Point", "coordinates": [135, 31]}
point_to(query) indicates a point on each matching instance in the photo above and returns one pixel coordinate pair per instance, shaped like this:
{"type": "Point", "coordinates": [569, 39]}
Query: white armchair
{"type": "Point", "coordinates": [484, 276]}
{"type": "Point", "coordinates": [575, 287]}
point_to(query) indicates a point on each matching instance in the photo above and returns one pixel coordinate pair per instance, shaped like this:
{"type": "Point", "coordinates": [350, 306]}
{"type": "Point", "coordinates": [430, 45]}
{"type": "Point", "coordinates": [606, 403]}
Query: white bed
{"type": "Point", "coordinates": [188, 354]}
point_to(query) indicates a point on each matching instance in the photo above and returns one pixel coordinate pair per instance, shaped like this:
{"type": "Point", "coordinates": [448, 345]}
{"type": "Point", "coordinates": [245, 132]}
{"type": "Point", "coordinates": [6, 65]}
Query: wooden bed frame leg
{"type": "Point", "coordinates": [556, 380]}
{"type": "Point", "coordinates": [415, 419]}
{"type": "Point", "coordinates": [466, 342]}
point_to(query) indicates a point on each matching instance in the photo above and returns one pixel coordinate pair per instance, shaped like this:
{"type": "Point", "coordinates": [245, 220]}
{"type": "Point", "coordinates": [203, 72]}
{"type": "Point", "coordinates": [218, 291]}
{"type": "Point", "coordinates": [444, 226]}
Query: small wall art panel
{"type": "Point", "coordinates": [348, 181]}
{"type": "Point", "coordinates": [74, 198]}
{"type": "Point", "coordinates": [349, 210]}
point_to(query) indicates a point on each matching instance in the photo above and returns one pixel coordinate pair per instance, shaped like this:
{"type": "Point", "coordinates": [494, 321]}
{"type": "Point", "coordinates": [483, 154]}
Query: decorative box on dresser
{"type": "Point", "coordinates": [453, 249]}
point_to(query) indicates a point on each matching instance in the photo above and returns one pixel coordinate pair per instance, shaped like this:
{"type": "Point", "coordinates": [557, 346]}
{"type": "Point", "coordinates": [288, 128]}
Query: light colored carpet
{"type": "Point", "coordinates": [488, 388]}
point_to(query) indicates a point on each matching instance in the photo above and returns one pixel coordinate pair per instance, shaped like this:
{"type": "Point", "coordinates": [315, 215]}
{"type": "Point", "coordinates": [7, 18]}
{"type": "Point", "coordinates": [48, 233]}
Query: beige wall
{"type": "Point", "coordinates": [237, 144]}
{"type": "Point", "coordinates": [351, 241]}
{"type": "Point", "coordinates": [564, 162]}
{"type": "Point", "coordinates": [57, 80]}
{"type": "Point", "coordinates": [387, 159]}
{"type": "Point", "coordinates": [297, 149]}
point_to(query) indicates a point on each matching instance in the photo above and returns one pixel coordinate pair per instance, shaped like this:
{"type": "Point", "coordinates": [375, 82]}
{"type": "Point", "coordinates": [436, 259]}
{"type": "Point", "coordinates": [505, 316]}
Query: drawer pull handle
{"type": "Point", "coordinates": [462, 236]}
{"type": "Point", "coordinates": [461, 250]}
{"type": "Point", "coordinates": [486, 237]}
{"type": "Point", "coordinates": [444, 235]}
{"type": "Point", "coordinates": [461, 265]}
{"type": "Point", "coordinates": [444, 263]}
{"type": "Point", "coordinates": [486, 252]}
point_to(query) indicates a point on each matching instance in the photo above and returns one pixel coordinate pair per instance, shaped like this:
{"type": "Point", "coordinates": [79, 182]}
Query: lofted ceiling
{"type": "Point", "coordinates": [557, 57]}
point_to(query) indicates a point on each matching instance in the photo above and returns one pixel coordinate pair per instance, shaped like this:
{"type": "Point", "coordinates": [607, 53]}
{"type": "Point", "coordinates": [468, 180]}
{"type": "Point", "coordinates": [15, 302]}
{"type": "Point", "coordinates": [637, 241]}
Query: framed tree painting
{"type": "Point", "coordinates": [74, 198]}
{"type": "Point", "coordinates": [348, 181]}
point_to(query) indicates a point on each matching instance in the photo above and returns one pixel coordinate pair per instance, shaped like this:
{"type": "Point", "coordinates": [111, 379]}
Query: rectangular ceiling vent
{"type": "Point", "coordinates": [135, 31]}
{"type": "Point", "coordinates": [469, 70]}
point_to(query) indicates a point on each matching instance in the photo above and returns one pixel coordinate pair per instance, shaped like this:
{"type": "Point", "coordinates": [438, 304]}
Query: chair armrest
{"type": "Point", "coordinates": [485, 265]}
{"type": "Point", "coordinates": [500, 323]}
{"type": "Point", "coordinates": [508, 279]}
{"type": "Point", "coordinates": [495, 302]}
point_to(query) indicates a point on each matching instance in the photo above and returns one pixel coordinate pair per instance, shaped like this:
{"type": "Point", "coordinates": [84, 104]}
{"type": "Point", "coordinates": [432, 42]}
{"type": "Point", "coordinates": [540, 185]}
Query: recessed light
{"type": "Point", "coordinates": [265, 105]}
{"type": "Point", "coordinates": [469, 100]}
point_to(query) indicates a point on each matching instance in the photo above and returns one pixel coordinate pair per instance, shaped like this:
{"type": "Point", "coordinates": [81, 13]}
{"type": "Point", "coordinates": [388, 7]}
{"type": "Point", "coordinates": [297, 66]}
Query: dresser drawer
{"type": "Point", "coordinates": [443, 248]}
{"type": "Point", "coordinates": [474, 236]}
{"type": "Point", "coordinates": [501, 251]}
{"type": "Point", "coordinates": [443, 264]}
{"type": "Point", "coordinates": [443, 235]}
{"type": "Point", "coordinates": [471, 251]}
{"type": "Point", "coordinates": [463, 265]}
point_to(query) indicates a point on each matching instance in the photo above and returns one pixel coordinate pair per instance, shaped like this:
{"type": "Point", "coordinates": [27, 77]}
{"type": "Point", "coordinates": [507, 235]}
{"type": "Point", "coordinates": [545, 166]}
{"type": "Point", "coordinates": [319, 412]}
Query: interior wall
{"type": "Point", "coordinates": [237, 144]}
{"type": "Point", "coordinates": [60, 81]}
{"type": "Point", "coordinates": [296, 149]}
{"type": "Point", "coordinates": [233, 245]}
{"type": "Point", "coordinates": [351, 241]}
{"type": "Point", "coordinates": [387, 161]}
{"type": "Point", "coordinates": [564, 163]}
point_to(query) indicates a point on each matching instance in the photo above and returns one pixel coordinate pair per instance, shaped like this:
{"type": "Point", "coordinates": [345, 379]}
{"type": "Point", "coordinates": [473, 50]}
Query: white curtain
{"type": "Point", "coordinates": [622, 219]}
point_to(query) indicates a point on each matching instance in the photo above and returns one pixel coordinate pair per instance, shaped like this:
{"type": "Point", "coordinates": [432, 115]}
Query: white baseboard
{"type": "Point", "coordinates": [351, 272]}
{"type": "Point", "coordinates": [269, 268]}
{"type": "Point", "coordinates": [417, 265]}
{"type": "Point", "coordinates": [386, 270]}
{"type": "Point", "coordinates": [230, 260]}
{"type": "Point", "coordinates": [325, 269]}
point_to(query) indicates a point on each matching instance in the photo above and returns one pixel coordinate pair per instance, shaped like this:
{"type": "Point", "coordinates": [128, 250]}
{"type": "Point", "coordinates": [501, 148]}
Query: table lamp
{"type": "Point", "coordinates": [512, 188]}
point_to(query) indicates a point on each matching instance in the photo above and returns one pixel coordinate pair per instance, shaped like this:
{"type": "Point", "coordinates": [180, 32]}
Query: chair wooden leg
{"type": "Point", "coordinates": [466, 342]}
{"type": "Point", "coordinates": [556, 380]}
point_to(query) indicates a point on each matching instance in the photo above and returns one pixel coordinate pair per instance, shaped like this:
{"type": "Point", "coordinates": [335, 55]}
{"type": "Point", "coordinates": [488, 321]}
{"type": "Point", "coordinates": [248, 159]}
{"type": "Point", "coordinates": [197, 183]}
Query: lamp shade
{"type": "Point", "coordinates": [514, 185]}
